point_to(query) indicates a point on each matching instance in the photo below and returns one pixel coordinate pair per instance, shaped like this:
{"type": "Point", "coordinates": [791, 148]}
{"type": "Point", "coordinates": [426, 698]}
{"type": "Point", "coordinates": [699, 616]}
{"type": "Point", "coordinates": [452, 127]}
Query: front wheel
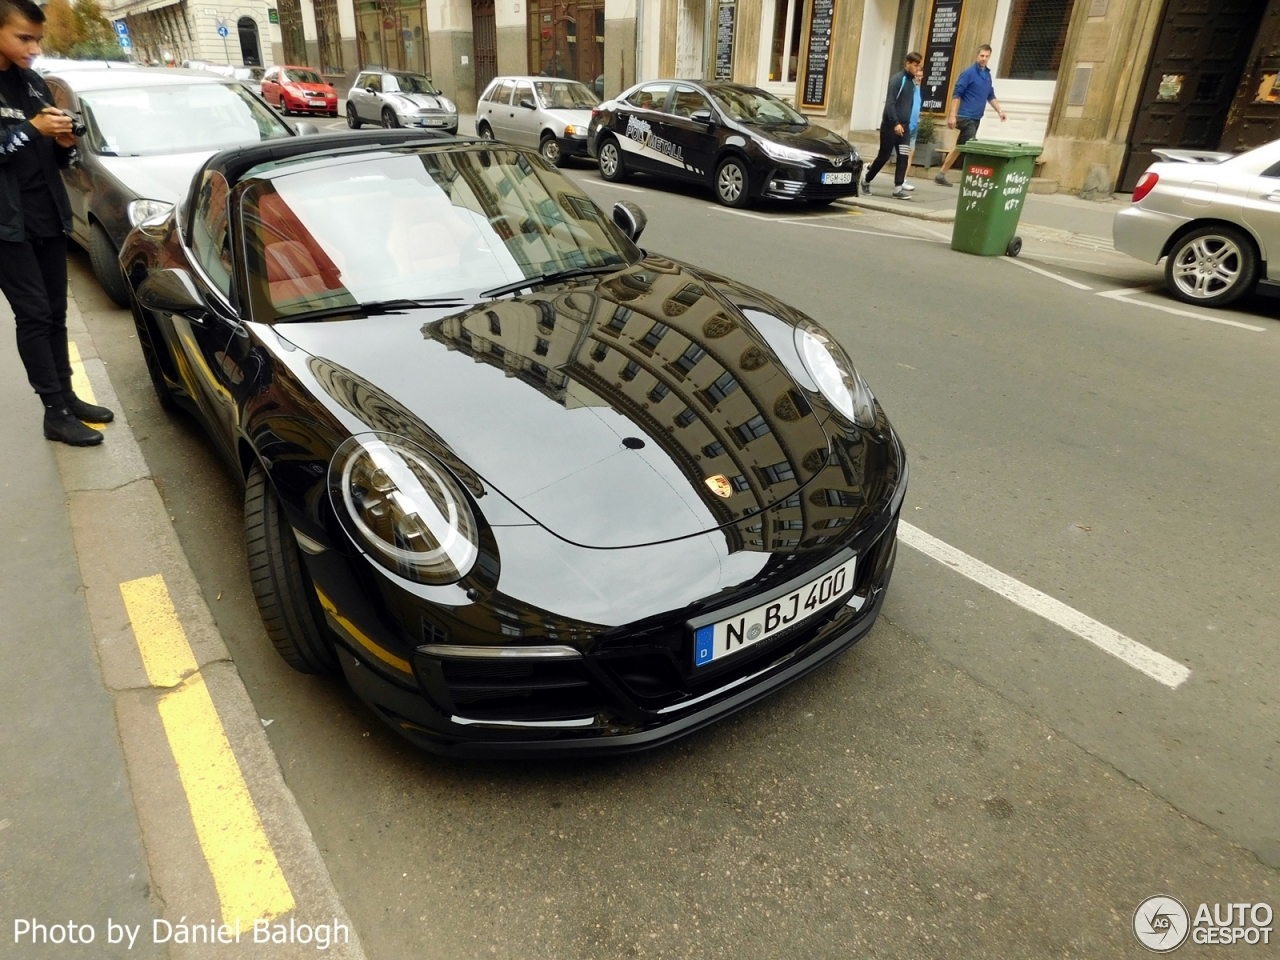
{"type": "Point", "coordinates": [1211, 266]}
{"type": "Point", "coordinates": [106, 266]}
{"type": "Point", "coordinates": [609, 159]}
{"type": "Point", "coordinates": [550, 150]}
{"type": "Point", "coordinates": [286, 597]}
{"type": "Point", "coordinates": [389, 119]}
{"type": "Point", "coordinates": [353, 119]}
{"type": "Point", "coordinates": [732, 183]}
{"type": "Point", "coordinates": [483, 131]}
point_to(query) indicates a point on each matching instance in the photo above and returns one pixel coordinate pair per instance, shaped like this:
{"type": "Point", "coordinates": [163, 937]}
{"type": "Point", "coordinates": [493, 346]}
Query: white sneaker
{"type": "Point", "coordinates": [908, 187]}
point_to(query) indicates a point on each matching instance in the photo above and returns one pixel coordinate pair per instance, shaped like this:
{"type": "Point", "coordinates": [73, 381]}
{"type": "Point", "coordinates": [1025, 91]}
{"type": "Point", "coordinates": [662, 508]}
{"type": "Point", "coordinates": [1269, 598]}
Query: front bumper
{"type": "Point", "coordinates": [307, 106]}
{"type": "Point", "coordinates": [607, 700]}
{"type": "Point", "coordinates": [431, 121]}
{"type": "Point", "coordinates": [572, 146]}
{"type": "Point", "coordinates": [1143, 233]}
{"type": "Point", "coordinates": [805, 183]}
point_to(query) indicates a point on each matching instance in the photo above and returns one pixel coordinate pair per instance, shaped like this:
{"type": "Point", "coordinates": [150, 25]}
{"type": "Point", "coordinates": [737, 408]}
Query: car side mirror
{"type": "Point", "coordinates": [172, 291]}
{"type": "Point", "coordinates": [527, 104]}
{"type": "Point", "coordinates": [630, 219]}
{"type": "Point", "coordinates": [703, 116]}
{"type": "Point", "coordinates": [371, 89]}
{"type": "Point", "coordinates": [304, 129]}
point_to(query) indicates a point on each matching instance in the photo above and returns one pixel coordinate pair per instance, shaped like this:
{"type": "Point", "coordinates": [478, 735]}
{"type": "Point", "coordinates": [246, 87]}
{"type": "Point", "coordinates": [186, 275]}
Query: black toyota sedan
{"type": "Point", "coordinates": [742, 142]}
{"type": "Point", "coordinates": [528, 487]}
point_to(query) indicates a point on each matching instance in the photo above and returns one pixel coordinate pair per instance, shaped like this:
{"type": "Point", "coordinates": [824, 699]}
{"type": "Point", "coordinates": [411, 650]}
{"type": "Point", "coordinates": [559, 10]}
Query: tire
{"type": "Point", "coordinates": [286, 598]}
{"type": "Point", "coordinates": [609, 160]}
{"type": "Point", "coordinates": [551, 152]}
{"type": "Point", "coordinates": [147, 341]}
{"type": "Point", "coordinates": [484, 131]}
{"type": "Point", "coordinates": [389, 118]}
{"type": "Point", "coordinates": [1014, 248]}
{"type": "Point", "coordinates": [106, 267]}
{"type": "Point", "coordinates": [353, 119]}
{"type": "Point", "coordinates": [732, 183]}
{"type": "Point", "coordinates": [1211, 266]}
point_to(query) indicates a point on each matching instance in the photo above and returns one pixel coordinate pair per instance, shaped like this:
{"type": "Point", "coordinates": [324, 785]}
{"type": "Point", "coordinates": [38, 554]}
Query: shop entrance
{"type": "Point", "coordinates": [1196, 66]}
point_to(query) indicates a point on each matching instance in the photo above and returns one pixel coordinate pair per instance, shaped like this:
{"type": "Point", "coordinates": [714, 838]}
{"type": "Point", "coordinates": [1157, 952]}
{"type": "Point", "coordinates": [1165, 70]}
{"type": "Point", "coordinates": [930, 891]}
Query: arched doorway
{"type": "Point", "coordinates": [250, 52]}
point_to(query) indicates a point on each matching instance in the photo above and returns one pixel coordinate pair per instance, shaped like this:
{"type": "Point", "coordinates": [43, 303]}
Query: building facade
{"type": "Point", "coordinates": [173, 31]}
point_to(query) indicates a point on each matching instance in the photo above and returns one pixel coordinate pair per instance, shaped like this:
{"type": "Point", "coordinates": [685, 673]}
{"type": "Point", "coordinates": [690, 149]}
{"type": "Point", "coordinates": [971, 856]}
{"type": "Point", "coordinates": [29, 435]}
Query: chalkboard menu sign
{"type": "Point", "coordinates": [724, 39]}
{"type": "Point", "coordinates": [822, 15]}
{"type": "Point", "coordinates": [940, 55]}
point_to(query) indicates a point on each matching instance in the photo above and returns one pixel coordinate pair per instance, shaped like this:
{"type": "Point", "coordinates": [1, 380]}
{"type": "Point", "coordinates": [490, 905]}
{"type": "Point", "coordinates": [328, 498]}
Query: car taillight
{"type": "Point", "coordinates": [1144, 185]}
{"type": "Point", "coordinates": [594, 113]}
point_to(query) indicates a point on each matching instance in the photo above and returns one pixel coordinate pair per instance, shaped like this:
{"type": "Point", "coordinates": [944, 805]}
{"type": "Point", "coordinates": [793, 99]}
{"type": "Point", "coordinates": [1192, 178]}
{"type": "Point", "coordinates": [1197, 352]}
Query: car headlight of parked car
{"type": "Point", "coordinates": [448, 105]}
{"type": "Point", "coordinates": [403, 508]}
{"type": "Point", "coordinates": [784, 153]}
{"type": "Point", "coordinates": [143, 210]}
{"type": "Point", "coordinates": [833, 372]}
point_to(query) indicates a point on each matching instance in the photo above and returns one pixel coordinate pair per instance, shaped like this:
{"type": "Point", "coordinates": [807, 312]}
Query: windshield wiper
{"type": "Point", "coordinates": [376, 308]}
{"type": "Point", "coordinates": [542, 279]}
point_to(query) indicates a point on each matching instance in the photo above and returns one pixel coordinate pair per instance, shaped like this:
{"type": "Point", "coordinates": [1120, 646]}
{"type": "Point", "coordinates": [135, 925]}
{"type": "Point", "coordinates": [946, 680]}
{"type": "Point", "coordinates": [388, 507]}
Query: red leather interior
{"type": "Point", "coordinates": [296, 264]}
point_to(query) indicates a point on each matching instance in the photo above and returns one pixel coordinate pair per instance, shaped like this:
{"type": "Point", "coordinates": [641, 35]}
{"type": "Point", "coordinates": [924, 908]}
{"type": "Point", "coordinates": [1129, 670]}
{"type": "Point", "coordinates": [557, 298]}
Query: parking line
{"type": "Point", "coordinates": [245, 870]}
{"type": "Point", "coordinates": [617, 186]}
{"type": "Point", "coordinates": [1155, 665]}
{"type": "Point", "coordinates": [1046, 273]}
{"type": "Point", "coordinates": [1122, 296]}
{"type": "Point", "coordinates": [80, 381]}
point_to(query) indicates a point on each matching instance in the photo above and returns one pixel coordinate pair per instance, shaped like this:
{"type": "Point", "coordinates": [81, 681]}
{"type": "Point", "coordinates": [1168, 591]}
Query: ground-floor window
{"type": "Point", "coordinates": [784, 50]}
{"type": "Point", "coordinates": [392, 35]}
{"type": "Point", "coordinates": [1034, 38]}
{"type": "Point", "coordinates": [291, 36]}
{"type": "Point", "coordinates": [328, 36]}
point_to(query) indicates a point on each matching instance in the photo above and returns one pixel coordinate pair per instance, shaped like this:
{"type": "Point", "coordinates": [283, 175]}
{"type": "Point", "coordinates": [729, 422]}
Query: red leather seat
{"type": "Point", "coordinates": [292, 271]}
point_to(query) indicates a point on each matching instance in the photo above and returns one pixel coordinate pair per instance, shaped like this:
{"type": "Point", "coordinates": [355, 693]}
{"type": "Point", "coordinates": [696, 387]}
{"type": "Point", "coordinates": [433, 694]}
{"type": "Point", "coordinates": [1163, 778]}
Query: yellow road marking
{"type": "Point", "coordinates": [386, 656]}
{"type": "Point", "coordinates": [80, 381]}
{"type": "Point", "coordinates": [245, 870]}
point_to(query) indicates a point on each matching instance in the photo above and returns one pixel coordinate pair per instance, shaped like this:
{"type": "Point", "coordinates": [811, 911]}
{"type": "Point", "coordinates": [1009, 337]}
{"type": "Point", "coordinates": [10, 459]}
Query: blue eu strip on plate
{"type": "Point", "coordinates": [704, 640]}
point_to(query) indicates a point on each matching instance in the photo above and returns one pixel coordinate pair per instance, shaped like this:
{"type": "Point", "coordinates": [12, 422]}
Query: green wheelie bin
{"type": "Point", "coordinates": [996, 175]}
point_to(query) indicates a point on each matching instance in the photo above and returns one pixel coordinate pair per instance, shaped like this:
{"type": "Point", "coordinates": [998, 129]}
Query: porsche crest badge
{"type": "Point", "coordinates": [720, 486]}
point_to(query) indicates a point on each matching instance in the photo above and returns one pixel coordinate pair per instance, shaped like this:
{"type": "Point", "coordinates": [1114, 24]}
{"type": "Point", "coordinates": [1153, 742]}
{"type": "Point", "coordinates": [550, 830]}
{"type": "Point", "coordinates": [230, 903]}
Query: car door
{"type": "Point", "coordinates": [690, 124]}
{"type": "Point", "coordinates": [499, 114]}
{"type": "Point", "coordinates": [271, 86]}
{"type": "Point", "coordinates": [524, 115]}
{"type": "Point", "coordinates": [638, 115]}
{"type": "Point", "coordinates": [357, 95]}
{"type": "Point", "coordinates": [371, 98]}
{"type": "Point", "coordinates": [75, 176]}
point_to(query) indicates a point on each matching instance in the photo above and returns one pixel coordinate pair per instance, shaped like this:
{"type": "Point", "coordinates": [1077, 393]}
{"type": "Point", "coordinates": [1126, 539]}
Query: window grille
{"type": "Point", "coordinates": [1034, 39]}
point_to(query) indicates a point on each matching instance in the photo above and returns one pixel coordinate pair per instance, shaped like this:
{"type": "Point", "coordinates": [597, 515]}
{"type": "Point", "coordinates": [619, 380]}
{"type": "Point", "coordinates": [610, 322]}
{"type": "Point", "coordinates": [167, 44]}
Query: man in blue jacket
{"type": "Point", "coordinates": [969, 99]}
{"type": "Point", "coordinates": [895, 125]}
{"type": "Point", "coordinates": [35, 216]}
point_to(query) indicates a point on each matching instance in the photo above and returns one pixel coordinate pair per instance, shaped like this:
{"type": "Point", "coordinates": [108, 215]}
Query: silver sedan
{"type": "Point", "coordinates": [1213, 217]}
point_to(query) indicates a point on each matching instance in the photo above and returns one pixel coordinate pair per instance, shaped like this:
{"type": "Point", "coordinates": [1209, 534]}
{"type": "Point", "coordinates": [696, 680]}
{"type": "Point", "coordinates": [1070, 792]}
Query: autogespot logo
{"type": "Point", "coordinates": [1161, 924]}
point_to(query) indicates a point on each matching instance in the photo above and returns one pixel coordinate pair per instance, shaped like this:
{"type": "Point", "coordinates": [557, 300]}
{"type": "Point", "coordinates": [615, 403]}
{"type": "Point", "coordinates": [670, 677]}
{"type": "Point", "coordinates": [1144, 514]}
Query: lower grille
{"type": "Point", "coordinates": [519, 690]}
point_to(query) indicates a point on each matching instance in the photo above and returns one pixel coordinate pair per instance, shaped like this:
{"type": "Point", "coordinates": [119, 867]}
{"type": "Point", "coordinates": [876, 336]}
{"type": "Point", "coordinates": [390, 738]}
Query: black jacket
{"type": "Point", "coordinates": [17, 133]}
{"type": "Point", "coordinates": [900, 99]}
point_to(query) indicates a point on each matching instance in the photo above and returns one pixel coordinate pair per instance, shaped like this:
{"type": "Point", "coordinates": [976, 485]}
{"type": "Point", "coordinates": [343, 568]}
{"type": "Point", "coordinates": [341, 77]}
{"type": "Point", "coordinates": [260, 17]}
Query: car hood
{"type": "Point", "coordinates": [532, 395]}
{"type": "Point", "coordinates": [316, 89]}
{"type": "Point", "coordinates": [579, 118]}
{"type": "Point", "coordinates": [166, 177]}
{"type": "Point", "coordinates": [421, 100]}
{"type": "Point", "coordinates": [813, 138]}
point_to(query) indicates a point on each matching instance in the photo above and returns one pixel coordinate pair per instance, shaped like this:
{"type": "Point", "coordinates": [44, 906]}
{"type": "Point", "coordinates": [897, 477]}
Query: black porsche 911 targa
{"type": "Point", "coordinates": [530, 488]}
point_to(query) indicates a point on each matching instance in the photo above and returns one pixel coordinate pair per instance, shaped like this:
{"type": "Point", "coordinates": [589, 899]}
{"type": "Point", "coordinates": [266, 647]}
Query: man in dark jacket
{"type": "Point", "coordinates": [895, 125]}
{"type": "Point", "coordinates": [36, 139]}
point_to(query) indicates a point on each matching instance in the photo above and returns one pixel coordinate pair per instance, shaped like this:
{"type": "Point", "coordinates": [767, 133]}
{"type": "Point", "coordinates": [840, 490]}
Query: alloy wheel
{"type": "Point", "coordinates": [389, 119]}
{"type": "Point", "coordinates": [609, 160]}
{"type": "Point", "coordinates": [1208, 267]}
{"type": "Point", "coordinates": [730, 182]}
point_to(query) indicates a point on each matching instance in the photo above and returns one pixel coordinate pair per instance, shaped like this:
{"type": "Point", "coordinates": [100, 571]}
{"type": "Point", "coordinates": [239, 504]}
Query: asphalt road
{"type": "Point", "coordinates": [971, 779]}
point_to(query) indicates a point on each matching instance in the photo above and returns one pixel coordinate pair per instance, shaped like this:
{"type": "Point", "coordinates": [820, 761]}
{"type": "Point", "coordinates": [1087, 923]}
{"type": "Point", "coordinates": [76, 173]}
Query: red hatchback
{"type": "Point", "coordinates": [299, 90]}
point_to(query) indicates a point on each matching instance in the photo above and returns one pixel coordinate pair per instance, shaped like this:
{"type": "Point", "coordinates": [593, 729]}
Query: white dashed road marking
{"type": "Point", "coordinates": [1142, 658]}
{"type": "Point", "coordinates": [1123, 296]}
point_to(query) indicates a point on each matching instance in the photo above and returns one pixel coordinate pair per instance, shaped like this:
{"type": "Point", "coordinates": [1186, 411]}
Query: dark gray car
{"type": "Point", "coordinates": [148, 131]}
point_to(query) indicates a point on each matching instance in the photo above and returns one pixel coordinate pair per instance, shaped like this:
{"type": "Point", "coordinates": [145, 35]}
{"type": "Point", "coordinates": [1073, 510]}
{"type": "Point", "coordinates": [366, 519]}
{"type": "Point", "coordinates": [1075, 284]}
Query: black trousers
{"type": "Point", "coordinates": [33, 277]}
{"type": "Point", "coordinates": [889, 142]}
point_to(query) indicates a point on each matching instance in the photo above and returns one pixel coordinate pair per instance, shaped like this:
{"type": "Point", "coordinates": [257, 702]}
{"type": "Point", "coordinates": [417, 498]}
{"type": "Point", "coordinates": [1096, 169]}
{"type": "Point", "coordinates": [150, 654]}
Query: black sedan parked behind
{"type": "Point", "coordinates": [742, 142]}
{"type": "Point", "coordinates": [593, 516]}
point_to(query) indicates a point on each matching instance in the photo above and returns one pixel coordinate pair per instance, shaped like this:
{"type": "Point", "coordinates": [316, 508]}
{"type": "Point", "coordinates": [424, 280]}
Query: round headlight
{"type": "Point", "coordinates": [403, 508]}
{"type": "Point", "coordinates": [834, 374]}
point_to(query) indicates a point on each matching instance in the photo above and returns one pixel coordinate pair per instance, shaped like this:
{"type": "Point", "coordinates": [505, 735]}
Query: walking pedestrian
{"type": "Point", "coordinates": [894, 124]}
{"type": "Point", "coordinates": [36, 139]}
{"type": "Point", "coordinates": [911, 131]}
{"type": "Point", "coordinates": [973, 91]}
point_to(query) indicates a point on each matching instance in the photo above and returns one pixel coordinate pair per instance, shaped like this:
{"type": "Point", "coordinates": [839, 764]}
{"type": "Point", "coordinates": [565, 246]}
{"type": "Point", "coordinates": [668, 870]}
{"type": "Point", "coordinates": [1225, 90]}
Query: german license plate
{"type": "Point", "coordinates": [837, 177]}
{"type": "Point", "coordinates": [716, 641]}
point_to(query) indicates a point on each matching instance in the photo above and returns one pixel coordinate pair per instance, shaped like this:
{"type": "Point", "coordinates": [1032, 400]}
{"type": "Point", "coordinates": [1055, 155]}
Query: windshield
{"type": "Point", "coordinates": [143, 121]}
{"type": "Point", "coordinates": [416, 226]}
{"type": "Point", "coordinates": [408, 83]}
{"type": "Point", "coordinates": [754, 106]}
{"type": "Point", "coordinates": [565, 95]}
{"type": "Point", "coordinates": [303, 76]}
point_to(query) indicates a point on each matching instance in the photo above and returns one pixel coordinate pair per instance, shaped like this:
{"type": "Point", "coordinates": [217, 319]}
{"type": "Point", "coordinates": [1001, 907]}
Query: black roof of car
{"type": "Point", "coordinates": [233, 163]}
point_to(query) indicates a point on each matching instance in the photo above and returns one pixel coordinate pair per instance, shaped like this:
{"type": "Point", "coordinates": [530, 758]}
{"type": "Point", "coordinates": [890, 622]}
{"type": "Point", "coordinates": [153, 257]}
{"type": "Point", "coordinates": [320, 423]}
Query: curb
{"type": "Point", "coordinates": [900, 207]}
{"type": "Point", "coordinates": [122, 533]}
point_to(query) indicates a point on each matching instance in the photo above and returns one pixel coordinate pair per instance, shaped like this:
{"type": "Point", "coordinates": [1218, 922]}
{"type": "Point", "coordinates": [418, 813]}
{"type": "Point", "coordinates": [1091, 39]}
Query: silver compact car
{"type": "Point", "coordinates": [1215, 220]}
{"type": "Point", "coordinates": [147, 133]}
{"type": "Point", "coordinates": [543, 112]}
{"type": "Point", "coordinates": [395, 99]}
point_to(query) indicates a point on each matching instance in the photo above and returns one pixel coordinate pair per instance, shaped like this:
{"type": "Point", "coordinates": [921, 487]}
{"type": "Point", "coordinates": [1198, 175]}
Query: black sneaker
{"type": "Point", "coordinates": [942, 181]}
{"type": "Point", "coordinates": [88, 412]}
{"type": "Point", "coordinates": [61, 425]}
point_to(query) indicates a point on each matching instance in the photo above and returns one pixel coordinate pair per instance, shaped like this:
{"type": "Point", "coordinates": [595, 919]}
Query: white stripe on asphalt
{"type": "Point", "coordinates": [1122, 296]}
{"type": "Point", "coordinates": [1155, 665]}
{"type": "Point", "coordinates": [617, 186]}
{"type": "Point", "coordinates": [807, 222]}
{"type": "Point", "coordinates": [1046, 273]}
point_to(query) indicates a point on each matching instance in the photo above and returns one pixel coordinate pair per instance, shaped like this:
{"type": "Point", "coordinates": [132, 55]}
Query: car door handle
{"type": "Point", "coordinates": [1274, 197]}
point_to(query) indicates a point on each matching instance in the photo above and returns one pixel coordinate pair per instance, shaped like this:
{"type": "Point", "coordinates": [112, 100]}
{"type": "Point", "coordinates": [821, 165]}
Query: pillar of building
{"type": "Point", "coordinates": [619, 45]}
{"type": "Point", "coordinates": [1104, 65]}
{"type": "Point", "coordinates": [453, 51]}
{"type": "Point", "coordinates": [746, 41]}
{"type": "Point", "coordinates": [309, 33]}
{"type": "Point", "coordinates": [347, 34]}
{"type": "Point", "coordinates": [511, 19]}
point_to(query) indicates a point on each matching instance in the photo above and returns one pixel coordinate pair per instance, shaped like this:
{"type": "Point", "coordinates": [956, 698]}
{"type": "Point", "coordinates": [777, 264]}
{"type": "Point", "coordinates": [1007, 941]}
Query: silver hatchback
{"type": "Point", "coordinates": [544, 112]}
{"type": "Point", "coordinates": [398, 99]}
